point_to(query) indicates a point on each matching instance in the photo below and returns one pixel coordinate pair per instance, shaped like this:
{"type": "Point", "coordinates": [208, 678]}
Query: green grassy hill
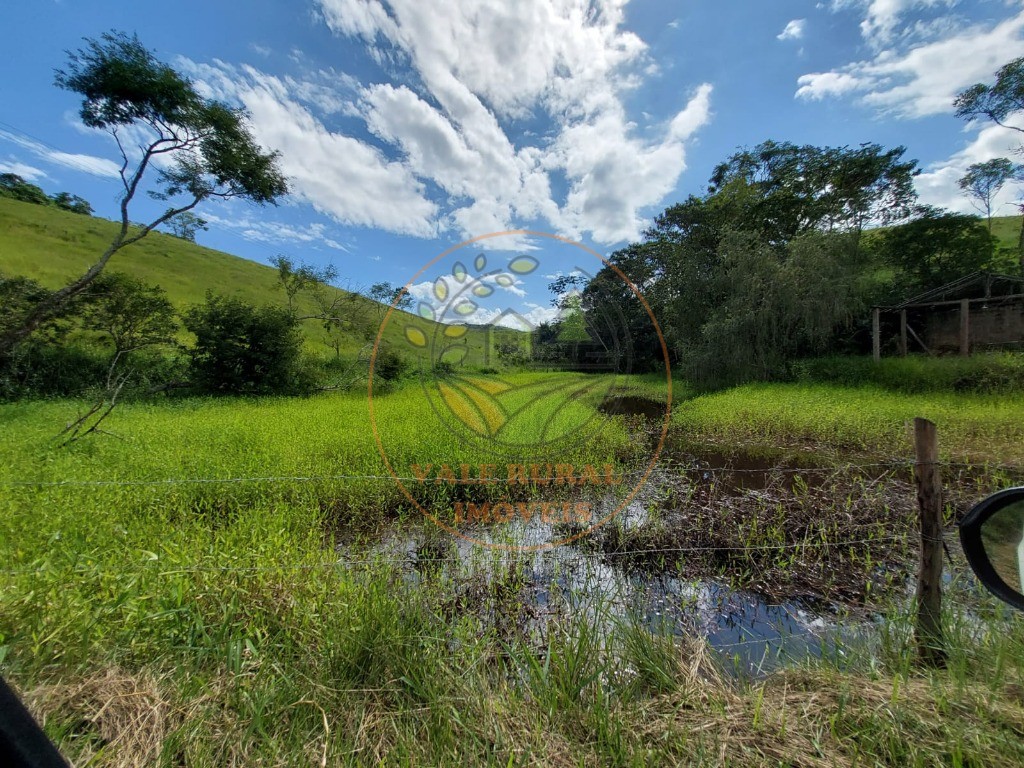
{"type": "Point", "coordinates": [1007, 230]}
{"type": "Point", "coordinates": [53, 246]}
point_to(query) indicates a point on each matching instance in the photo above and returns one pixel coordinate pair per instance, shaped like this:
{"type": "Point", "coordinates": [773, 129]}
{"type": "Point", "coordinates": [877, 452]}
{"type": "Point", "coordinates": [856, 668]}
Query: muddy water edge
{"type": "Point", "coordinates": [769, 557]}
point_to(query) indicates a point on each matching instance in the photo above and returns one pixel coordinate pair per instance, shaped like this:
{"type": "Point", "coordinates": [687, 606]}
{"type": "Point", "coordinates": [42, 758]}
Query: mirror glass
{"type": "Point", "coordinates": [1002, 536]}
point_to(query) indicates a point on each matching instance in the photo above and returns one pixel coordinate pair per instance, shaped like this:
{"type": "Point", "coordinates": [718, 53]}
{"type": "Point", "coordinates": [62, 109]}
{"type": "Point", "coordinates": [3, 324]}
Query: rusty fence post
{"type": "Point", "coordinates": [927, 478]}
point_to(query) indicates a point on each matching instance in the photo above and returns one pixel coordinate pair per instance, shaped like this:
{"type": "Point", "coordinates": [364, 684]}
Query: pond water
{"type": "Point", "coordinates": [752, 634]}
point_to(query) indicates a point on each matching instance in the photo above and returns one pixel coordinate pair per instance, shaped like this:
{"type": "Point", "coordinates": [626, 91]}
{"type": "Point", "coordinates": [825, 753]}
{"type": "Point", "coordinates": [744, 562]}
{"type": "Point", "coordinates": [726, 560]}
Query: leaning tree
{"type": "Point", "coordinates": [1002, 103]}
{"type": "Point", "coordinates": [982, 182]}
{"type": "Point", "coordinates": [197, 149]}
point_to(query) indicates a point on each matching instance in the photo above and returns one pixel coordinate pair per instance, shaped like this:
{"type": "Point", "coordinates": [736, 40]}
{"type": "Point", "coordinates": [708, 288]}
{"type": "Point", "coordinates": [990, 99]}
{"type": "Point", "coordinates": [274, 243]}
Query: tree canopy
{"type": "Point", "coordinates": [766, 266]}
{"type": "Point", "coordinates": [995, 102]}
{"type": "Point", "coordinates": [206, 147]}
{"type": "Point", "coordinates": [982, 183]}
{"type": "Point", "coordinates": [784, 190]}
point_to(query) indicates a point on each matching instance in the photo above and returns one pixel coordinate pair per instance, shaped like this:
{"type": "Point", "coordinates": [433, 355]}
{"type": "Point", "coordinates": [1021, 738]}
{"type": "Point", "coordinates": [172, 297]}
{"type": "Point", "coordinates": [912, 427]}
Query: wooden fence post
{"type": "Point", "coordinates": [876, 334]}
{"type": "Point", "coordinates": [965, 327]}
{"type": "Point", "coordinates": [928, 630]}
{"type": "Point", "coordinates": [903, 333]}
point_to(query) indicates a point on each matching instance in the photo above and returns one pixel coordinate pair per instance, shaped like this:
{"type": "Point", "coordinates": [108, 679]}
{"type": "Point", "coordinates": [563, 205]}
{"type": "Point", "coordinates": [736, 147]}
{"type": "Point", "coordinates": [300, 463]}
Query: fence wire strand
{"type": "Point", "coordinates": [433, 480]}
{"type": "Point", "coordinates": [412, 557]}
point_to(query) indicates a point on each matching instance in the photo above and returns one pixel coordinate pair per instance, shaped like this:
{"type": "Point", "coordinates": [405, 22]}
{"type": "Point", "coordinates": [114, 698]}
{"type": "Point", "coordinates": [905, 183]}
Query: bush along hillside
{"type": "Point", "coordinates": [44, 247]}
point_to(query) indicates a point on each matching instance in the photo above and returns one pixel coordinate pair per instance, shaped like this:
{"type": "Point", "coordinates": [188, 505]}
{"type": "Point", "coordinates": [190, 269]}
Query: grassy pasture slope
{"type": "Point", "coordinates": [1007, 230]}
{"type": "Point", "coordinates": [53, 246]}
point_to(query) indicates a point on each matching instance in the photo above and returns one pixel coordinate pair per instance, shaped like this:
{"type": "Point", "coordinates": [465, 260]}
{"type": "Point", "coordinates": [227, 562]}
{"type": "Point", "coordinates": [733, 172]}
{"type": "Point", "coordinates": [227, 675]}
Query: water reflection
{"type": "Point", "coordinates": [752, 635]}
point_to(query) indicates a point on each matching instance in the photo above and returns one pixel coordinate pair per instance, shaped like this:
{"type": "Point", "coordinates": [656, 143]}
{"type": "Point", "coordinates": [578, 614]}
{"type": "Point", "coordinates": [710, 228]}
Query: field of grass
{"type": "Point", "coordinates": [53, 246]}
{"type": "Point", "coordinates": [853, 422]}
{"type": "Point", "coordinates": [214, 623]}
{"type": "Point", "coordinates": [1007, 231]}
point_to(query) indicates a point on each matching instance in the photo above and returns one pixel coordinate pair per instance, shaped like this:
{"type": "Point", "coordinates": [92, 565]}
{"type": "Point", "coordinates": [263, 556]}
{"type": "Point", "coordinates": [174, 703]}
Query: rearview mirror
{"type": "Point", "coordinates": [992, 535]}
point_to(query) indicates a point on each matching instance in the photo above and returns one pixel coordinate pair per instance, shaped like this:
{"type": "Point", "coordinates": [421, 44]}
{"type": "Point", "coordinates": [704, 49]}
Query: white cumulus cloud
{"type": "Point", "coordinates": [347, 179]}
{"type": "Point", "coordinates": [922, 79]}
{"type": "Point", "coordinates": [480, 67]}
{"type": "Point", "coordinates": [937, 185]}
{"type": "Point", "coordinates": [794, 30]}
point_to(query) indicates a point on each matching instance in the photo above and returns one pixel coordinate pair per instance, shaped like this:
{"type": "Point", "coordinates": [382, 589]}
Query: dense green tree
{"type": "Point", "coordinates": [773, 310]}
{"type": "Point", "coordinates": [935, 248]}
{"type": "Point", "coordinates": [17, 296]}
{"type": "Point", "coordinates": [187, 225]}
{"type": "Point", "coordinates": [60, 360]}
{"type": "Point", "coordinates": [205, 148]}
{"type": "Point", "coordinates": [764, 267]}
{"type": "Point", "coordinates": [72, 203]}
{"type": "Point", "coordinates": [130, 313]}
{"type": "Point", "coordinates": [16, 188]}
{"type": "Point", "coordinates": [781, 190]}
{"type": "Point", "coordinates": [244, 349]}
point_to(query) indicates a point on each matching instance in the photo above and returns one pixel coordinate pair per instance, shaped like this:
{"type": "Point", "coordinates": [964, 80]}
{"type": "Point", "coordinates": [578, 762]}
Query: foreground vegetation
{"type": "Point", "coordinates": [214, 623]}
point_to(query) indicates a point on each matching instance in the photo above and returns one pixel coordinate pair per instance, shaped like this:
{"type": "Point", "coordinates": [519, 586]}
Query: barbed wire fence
{"type": "Point", "coordinates": [780, 469]}
{"type": "Point", "coordinates": [679, 470]}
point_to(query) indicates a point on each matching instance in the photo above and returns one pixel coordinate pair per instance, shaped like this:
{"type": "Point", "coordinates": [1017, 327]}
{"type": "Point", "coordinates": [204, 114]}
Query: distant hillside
{"type": "Point", "coordinates": [52, 246]}
{"type": "Point", "coordinates": [1007, 229]}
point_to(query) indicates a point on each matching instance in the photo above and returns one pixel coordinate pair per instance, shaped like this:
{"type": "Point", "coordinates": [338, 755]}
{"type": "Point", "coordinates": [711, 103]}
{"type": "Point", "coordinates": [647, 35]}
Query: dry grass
{"type": "Point", "coordinates": [110, 717]}
{"type": "Point", "coordinates": [798, 717]}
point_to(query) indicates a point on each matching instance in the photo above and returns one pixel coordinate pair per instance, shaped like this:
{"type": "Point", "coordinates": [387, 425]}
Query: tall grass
{"type": "Point", "coordinates": [851, 421]}
{"type": "Point", "coordinates": [215, 624]}
{"type": "Point", "coordinates": [991, 373]}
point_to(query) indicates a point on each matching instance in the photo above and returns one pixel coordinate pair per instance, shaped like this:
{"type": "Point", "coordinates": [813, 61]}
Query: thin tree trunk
{"type": "Point", "coordinates": [1020, 243]}
{"type": "Point", "coordinates": [51, 305]}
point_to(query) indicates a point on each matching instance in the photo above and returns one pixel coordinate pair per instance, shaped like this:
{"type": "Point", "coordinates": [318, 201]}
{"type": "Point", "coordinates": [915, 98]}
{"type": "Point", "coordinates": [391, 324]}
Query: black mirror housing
{"type": "Point", "coordinates": [992, 536]}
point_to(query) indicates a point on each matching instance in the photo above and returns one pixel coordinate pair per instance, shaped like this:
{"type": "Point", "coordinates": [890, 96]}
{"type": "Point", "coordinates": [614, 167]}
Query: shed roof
{"type": "Point", "coordinates": [977, 285]}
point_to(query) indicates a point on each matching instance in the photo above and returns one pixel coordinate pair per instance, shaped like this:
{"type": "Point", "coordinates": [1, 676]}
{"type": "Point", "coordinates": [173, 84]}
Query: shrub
{"type": "Point", "coordinates": [244, 349]}
{"type": "Point", "coordinates": [983, 373]}
{"type": "Point", "coordinates": [389, 365]}
{"type": "Point", "coordinates": [39, 368]}
{"type": "Point", "coordinates": [443, 369]}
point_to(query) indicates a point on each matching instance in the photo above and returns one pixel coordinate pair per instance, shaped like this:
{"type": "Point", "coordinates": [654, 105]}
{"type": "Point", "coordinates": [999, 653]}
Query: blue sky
{"type": "Point", "coordinates": [407, 127]}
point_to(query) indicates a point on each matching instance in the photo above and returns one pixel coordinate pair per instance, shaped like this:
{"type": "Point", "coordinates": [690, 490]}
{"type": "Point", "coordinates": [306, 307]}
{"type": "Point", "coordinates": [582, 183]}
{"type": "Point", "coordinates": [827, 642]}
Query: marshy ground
{"type": "Point", "coordinates": [241, 582]}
